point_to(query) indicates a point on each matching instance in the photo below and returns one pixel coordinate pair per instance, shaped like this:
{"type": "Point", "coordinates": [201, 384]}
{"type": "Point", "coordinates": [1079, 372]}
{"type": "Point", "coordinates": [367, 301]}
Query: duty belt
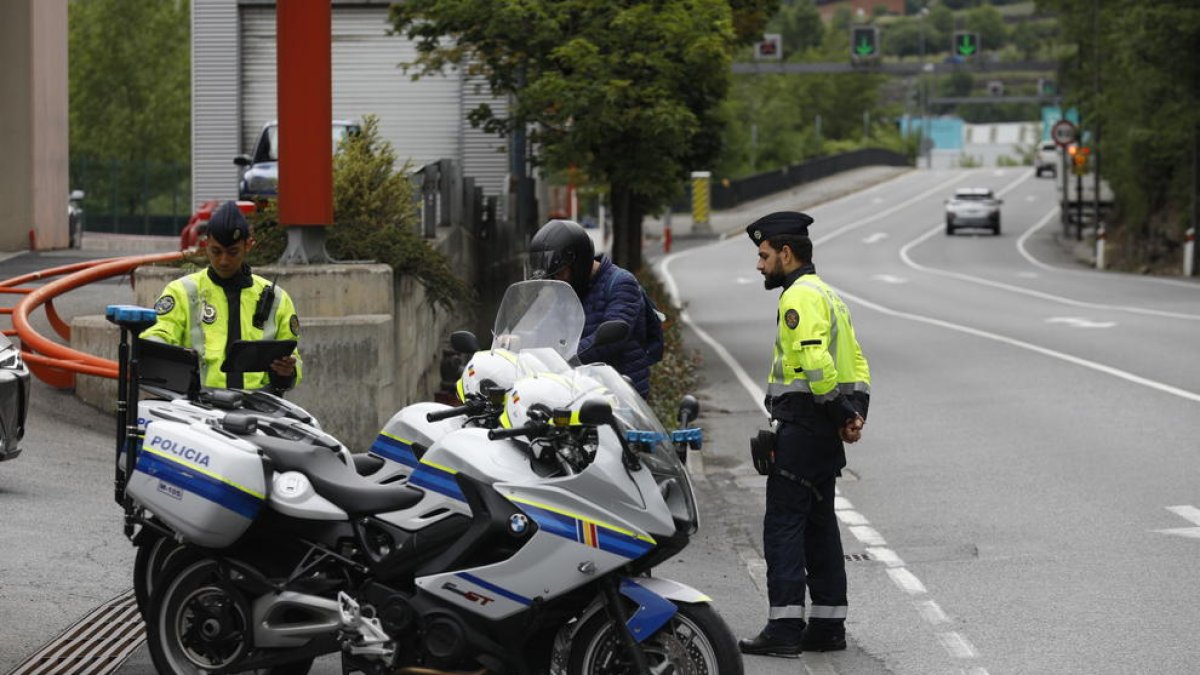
{"type": "Point", "coordinates": [802, 481]}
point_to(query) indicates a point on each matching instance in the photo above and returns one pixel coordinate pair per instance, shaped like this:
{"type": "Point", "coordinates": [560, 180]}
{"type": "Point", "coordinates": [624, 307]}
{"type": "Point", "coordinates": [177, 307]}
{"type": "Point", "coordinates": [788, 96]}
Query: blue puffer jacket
{"type": "Point", "coordinates": [615, 294]}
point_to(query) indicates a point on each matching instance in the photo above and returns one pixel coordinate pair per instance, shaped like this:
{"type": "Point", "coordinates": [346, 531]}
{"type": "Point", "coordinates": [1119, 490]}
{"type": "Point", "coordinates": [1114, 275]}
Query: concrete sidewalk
{"type": "Point", "coordinates": [798, 198]}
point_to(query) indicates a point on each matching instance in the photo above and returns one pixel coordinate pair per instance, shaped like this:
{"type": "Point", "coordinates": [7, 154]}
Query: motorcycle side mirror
{"type": "Point", "coordinates": [76, 195]}
{"type": "Point", "coordinates": [689, 409]}
{"type": "Point", "coordinates": [464, 342]}
{"type": "Point", "coordinates": [242, 160]}
{"type": "Point", "coordinates": [595, 412]}
{"type": "Point", "coordinates": [611, 332]}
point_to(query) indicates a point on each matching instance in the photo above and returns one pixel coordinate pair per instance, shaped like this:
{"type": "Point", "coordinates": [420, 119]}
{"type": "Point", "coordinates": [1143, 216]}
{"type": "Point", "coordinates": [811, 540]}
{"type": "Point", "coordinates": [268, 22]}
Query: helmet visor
{"type": "Point", "coordinates": [543, 265]}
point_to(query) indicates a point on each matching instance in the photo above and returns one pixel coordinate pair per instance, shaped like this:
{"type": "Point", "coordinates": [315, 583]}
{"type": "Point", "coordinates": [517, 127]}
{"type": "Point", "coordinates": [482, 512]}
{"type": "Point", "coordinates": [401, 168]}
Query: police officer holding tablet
{"type": "Point", "coordinates": [817, 392]}
{"type": "Point", "coordinates": [212, 309]}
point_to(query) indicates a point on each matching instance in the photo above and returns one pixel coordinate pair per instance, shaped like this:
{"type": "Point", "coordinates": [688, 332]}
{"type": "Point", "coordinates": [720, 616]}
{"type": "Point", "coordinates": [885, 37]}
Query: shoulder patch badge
{"type": "Point", "coordinates": [164, 305]}
{"type": "Point", "coordinates": [792, 319]}
{"type": "Point", "coordinates": [208, 314]}
{"type": "Point", "coordinates": [294, 324]}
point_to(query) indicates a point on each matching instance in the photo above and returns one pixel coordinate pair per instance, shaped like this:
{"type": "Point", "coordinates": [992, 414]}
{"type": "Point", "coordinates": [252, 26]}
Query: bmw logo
{"type": "Point", "coordinates": [518, 523]}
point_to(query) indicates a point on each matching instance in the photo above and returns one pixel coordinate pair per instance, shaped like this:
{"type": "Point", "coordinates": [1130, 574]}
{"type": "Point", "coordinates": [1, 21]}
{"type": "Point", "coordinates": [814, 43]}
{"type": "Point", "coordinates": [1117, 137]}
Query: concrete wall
{"type": "Point", "coordinates": [33, 124]}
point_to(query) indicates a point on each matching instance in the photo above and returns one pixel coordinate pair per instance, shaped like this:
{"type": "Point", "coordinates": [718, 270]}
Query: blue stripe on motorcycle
{"type": "Point", "coordinates": [439, 481]}
{"type": "Point", "coordinates": [573, 528]}
{"type": "Point", "coordinates": [496, 589]}
{"type": "Point", "coordinates": [653, 611]}
{"type": "Point", "coordinates": [394, 450]}
{"type": "Point", "coordinates": [206, 487]}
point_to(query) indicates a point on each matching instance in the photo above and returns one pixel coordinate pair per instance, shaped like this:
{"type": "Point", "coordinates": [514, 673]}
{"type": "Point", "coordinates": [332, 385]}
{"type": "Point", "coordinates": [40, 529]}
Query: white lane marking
{"type": "Point", "coordinates": [957, 645]}
{"type": "Point", "coordinates": [1189, 513]}
{"type": "Point", "coordinates": [1021, 241]}
{"type": "Point", "coordinates": [885, 555]}
{"type": "Point", "coordinates": [931, 612]}
{"type": "Point", "coordinates": [852, 517]}
{"type": "Point", "coordinates": [904, 256]}
{"type": "Point", "coordinates": [746, 280]}
{"type": "Point", "coordinates": [840, 503]}
{"type": "Point", "coordinates": [1092, 365]}
{"type": "Point", "coordinates": [816, 663]}
{"type": "Point", "coordinates": [889, 278]}
{"type": "Point", "coordinates": [1080, 322]}
{"type": "Point", "coordinates": [875, 238]}
{"type": "Point", "coordinates": [907, 581]}
{"type": "Point", "coordinates": [867, 535]}
{"type": "Point", "coordinates": [1028, 275]}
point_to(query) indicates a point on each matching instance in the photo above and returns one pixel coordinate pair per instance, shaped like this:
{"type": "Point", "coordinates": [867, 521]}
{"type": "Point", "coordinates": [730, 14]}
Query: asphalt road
{"type": "Point", "coordinates": [1033, 431]}
{"type": "Point", "coordinates": [1032, 424]}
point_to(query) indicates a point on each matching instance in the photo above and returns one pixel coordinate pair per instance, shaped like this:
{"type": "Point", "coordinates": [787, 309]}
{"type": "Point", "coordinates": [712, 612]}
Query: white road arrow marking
{"type": "Point", "coordinates": [878, 236]}
{"type": "Point", "coordinates": [1189, 513]}
{"type": "Point", "coordinates": [889, 279]}
{"type": "Point", "coordinates": [1079, 322]}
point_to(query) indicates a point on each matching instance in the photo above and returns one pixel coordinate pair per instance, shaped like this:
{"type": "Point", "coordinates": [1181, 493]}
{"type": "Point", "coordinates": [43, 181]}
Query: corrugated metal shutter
{"type": "Point", "coordinates": [423, 120]}
{"type": "Point", "coordinates": [484, 155]}
{"type": "Point", "coordinates": [214, 99]}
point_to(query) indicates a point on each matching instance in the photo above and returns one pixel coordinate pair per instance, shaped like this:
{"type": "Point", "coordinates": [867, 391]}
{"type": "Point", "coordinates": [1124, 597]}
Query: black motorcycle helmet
{"type": "Point", "coordinates": [559, 245]}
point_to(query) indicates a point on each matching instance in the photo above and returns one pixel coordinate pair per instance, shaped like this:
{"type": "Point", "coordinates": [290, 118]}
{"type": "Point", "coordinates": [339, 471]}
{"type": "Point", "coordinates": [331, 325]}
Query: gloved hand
{"type": "Point", "coordinates": [762, 451]}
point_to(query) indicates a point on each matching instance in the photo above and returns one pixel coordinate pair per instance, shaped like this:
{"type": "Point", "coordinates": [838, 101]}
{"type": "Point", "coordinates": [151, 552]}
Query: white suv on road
{"type": "Point", "coordinates": [973, 207]}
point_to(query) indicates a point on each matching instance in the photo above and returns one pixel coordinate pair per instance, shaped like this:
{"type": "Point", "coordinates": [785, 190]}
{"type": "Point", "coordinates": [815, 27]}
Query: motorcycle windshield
{"type": "Point", "coordinates": [539, 314]}
{"type": "Point", "coordinates": [636, 419]}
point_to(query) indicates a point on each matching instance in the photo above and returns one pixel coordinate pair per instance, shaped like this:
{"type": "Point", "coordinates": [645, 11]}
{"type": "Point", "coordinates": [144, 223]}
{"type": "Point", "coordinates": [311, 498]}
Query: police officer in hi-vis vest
{"type": "Point", "coordinates": [209, 310]}
{"type": "Point", "coordinates": [817, 393]}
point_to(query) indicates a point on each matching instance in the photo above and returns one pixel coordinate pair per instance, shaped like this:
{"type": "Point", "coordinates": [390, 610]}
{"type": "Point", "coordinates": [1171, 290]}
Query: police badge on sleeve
{"type": "Point", "coordinates": [792, 319]}
{"type": "Point", "coordinates": [164, 305]}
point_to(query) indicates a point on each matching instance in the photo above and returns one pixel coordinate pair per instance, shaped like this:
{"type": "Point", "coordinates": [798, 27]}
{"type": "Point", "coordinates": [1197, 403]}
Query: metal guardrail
{"type": "Point", "coordinates": [52, 362]}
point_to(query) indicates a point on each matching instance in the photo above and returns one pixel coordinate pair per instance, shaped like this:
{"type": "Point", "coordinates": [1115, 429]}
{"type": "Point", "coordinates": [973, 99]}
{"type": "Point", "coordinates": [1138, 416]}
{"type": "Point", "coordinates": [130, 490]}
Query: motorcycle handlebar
{"type": "Point", "coordinates": [440, 415]}
{"type": "Point", "coordinates": [497, 434]}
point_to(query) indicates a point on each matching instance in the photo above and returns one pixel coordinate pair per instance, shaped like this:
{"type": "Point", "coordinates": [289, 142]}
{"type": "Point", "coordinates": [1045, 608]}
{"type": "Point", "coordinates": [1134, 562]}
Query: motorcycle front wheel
{"type": "Point", "coordinates": [696, 641]}
{"type": "Point", "coordinates": [198, 621]}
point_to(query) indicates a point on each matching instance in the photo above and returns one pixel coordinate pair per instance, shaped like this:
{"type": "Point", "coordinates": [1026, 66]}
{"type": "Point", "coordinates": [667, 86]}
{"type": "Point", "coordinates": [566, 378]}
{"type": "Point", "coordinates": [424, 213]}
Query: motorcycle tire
{"type": "Point", "coordinates": [696, 639]}
{"type": "Point", "coordinates": [197, 622]}
{"type": "Point", "coordinates": [154, 554]}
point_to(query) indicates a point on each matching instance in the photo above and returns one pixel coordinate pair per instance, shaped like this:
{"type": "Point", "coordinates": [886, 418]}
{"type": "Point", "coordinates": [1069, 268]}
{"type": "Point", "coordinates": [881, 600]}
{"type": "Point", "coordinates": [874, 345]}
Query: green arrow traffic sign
{"type": "Point", "coordinates": [864, 43]}
{"type": "Point", "coordinates": [966, 44]}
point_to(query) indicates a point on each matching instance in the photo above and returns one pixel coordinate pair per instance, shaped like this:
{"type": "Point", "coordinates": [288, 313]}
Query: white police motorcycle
{"type": "Point", "coordinates": [523, 549]}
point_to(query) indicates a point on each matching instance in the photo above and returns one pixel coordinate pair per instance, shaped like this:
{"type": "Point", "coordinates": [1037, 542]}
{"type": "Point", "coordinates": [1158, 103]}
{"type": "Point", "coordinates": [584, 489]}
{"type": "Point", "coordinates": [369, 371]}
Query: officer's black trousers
{"type": "Point", "coordinates": [803, 548]}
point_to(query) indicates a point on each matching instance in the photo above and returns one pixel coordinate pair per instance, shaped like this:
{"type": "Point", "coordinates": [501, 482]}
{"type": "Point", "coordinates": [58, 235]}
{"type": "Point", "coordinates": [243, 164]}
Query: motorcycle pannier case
{"type": "Point", "coordinates": [206, 485]}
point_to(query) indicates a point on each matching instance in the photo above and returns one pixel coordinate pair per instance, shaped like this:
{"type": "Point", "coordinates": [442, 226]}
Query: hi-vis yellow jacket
{"type": "Point", "coordinates": [816, 351]}
{"type": "Point", "coordinates": [193, 312]}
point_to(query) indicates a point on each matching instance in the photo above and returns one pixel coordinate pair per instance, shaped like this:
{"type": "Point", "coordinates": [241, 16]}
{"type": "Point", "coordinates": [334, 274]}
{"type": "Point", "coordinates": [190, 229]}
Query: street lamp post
{"type": "Point", "coordinates": [926, 142]}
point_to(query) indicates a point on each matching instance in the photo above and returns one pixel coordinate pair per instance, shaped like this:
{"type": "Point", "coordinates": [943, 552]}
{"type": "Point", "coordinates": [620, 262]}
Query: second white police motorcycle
{"type": "Point", "coordinates": [525, 549]}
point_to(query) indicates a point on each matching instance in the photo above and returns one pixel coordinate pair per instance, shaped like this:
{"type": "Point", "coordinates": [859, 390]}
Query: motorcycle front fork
{"type": "Point", "coordinates": [616, 611]}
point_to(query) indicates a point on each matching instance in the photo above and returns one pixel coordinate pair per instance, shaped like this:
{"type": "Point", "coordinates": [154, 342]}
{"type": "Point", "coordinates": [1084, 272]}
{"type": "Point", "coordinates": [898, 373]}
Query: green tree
{"type": "Point", "coordinates": [130, 102]}
{"type": "Point", "coordinates": [130, 79]}
{"type": "Point", "coordinates": [989, 24]}
{"type": "Point", "coordinates": [629, 92]}
{"type": "Point", "coordinates": [1138, 91]}
{"type": "Point", "coordinates": [800, 25]}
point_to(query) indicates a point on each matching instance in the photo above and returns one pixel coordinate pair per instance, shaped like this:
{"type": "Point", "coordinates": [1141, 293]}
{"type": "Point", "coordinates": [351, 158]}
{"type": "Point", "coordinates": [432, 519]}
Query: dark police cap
{"type": "Point", "coordinates": [791, 223]}
{"type": "Point", "coordinates": [228, 226]}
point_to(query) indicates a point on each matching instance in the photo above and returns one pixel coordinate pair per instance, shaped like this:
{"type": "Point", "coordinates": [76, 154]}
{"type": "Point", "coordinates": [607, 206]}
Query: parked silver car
{"type": "Point", "coordinates": [14, 398]}
{"type": "Point", "coordinates": [973, 207]}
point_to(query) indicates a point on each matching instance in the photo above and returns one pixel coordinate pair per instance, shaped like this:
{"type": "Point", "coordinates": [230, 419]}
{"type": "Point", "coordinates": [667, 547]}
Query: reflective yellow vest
{"type": "Point", "coordinates": [816, 351]}
{"type": "Point", "coordinates": [193, 312]}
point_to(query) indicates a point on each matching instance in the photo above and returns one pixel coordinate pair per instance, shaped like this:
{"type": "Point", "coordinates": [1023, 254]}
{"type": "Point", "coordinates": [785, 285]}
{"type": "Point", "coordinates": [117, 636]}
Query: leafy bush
{"type": "Point", "coordinates": [375, 217]}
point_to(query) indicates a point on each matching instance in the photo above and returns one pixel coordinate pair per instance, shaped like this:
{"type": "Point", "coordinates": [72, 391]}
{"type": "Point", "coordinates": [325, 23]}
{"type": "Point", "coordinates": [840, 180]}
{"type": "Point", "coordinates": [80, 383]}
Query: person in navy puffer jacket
{"type": "Point", "coordinates": [562, 249]}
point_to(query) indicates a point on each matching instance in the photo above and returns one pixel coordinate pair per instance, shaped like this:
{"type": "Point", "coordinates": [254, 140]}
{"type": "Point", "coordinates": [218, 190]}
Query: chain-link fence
{"type": "Point", "coordinates": [132, 197]}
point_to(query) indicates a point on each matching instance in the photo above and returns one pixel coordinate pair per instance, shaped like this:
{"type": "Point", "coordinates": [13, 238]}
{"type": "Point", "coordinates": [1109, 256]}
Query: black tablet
{"type": "Point", "coordinates": [255, 356]}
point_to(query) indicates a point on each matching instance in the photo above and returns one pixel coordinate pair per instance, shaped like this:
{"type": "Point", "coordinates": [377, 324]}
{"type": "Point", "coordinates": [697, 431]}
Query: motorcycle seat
{"type": "Point", "coordinates": [334, 480]}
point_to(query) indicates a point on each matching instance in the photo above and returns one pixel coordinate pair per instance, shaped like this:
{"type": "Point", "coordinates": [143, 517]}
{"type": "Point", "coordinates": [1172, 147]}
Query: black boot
{"type": "Point", "coordinates": [816, 639]}
{"type": "Point", "coordinates": [768, 645]}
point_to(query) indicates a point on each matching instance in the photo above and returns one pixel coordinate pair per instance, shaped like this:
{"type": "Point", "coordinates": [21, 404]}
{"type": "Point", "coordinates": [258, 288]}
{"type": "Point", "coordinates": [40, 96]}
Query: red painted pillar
{"type": "Point", "coordinates": [305, 101]}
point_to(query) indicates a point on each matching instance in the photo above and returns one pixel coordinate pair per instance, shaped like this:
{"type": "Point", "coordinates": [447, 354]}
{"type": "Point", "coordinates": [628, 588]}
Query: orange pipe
{"type": "Point", "coordinates": [47, 353]}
